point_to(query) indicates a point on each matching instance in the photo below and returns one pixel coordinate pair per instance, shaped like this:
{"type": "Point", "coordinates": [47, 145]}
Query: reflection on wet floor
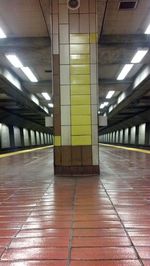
{"type": "Point", "coordinates": [84, 221]}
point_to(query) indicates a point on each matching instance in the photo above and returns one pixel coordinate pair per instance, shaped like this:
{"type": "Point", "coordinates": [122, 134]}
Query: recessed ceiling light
{"type": "Point", "coordinates": [139, 55]}
{"type": "Point", "coordinates": [46, 96]}
{"type": "Point", "coordinates": [27, 71]}
{"type": "Point", "coordinates": [124, 71]}
{"type": "Point", "coordinates": [14, 60]}
{"type": "Point", "coordinates": [147, 31]}
{"type": "Point", "coordinates": [110, 94]}
{"type": "Point", "coordinates": [51, 105]}
{"type": "Point", "coordinates": [2, 34]}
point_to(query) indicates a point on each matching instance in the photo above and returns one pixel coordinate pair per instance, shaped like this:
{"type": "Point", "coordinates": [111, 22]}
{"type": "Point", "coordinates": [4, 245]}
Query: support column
{"type": "Point", "coordinates": [75, 88]}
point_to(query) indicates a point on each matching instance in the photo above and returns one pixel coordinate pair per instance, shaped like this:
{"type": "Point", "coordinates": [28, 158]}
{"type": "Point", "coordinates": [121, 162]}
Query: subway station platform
{"type": "Point", "coordinates": [88, 221]}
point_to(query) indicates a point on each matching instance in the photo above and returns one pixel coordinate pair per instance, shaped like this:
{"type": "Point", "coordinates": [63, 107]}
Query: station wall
{"type": "Point", "coordinates": [133, 136]}
{"type": "Point", "coordinates": [12, 137]}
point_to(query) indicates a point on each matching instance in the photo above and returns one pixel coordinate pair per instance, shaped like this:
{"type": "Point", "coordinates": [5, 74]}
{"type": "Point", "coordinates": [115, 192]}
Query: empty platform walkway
{"type": "Point", "coordinates": [88, 221]}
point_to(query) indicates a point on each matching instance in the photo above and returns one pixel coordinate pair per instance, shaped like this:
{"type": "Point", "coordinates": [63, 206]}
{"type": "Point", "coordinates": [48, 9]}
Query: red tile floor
{"type": "Point", "coordinates": [90, 221]}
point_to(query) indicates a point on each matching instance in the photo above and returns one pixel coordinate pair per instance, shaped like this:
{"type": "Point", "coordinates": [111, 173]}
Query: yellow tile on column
{"type": "Point", "coordinates": [80, 69]}
{"type": "Point", "coordinates": [57, 141]}
{"type": "Point", "coordinates": [81, 130]}
{"type": "Point", "coordinates": [77, 120]}
{"type": "Point", "coordinates": [93, 38]}
{"type": "Point", "coordinates": [80, 89]}
{"type": "Point", "coordinates": [81, 140]}
{"type": "Point", "coordinates": [79, 38]}
{"type": "Point", "coordinates": [80, 79]}
{"type": "Point", "coordinates": [79, 49]}
{"type": "Point", "coordinates": [79, 59]}
{"type": "Point", "coordinates": [81, 110]}
{"type": "Point", "coordinates": [80, 99]}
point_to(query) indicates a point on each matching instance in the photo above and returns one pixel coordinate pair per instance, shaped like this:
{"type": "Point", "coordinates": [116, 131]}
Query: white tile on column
{"type": "Point", "coordinates": [74, 23]}
{"type": "Point", "coordinates": [95, 154]}
{"type": "Point", "coordinates": [55, 44]}
{"type": "Point", "coordinates": [65, 115]}
{"type": "Point", "coordinates": [63, 13]}
{"type": "Point", "coordinates": [65, 94]}
{"type": "Point", "coordinates": [94, 114]}
{"type": "Point", "coordinates": [55, 24]}
{"type": "Point", "coordinates": [84, 6]}
{"type": "Point", "coordinates": [55, 6]}
{"type": "Point", "coordinates": [64, 54]}
{"type": "Point", "coordinates": [92, 23]}
{"type": "Point", "coordinates": [63, 34]}
{"type": "Point", "coordinates": [94, 94]}
{"type": "Point", "coordinates": [92, 6]}
{"type": "Point", "coordinates": [64, 74]}
{"type": "Point", "coordinates": [84, 23]}
{"type": "Point", "coordinates": [65, 135]}
{"type": "Point", "coordinates": [94, 74]}
{"type": "Point", "coordinates": [93, 49]}
{"type": "Point", "coordinates": [94, 134]}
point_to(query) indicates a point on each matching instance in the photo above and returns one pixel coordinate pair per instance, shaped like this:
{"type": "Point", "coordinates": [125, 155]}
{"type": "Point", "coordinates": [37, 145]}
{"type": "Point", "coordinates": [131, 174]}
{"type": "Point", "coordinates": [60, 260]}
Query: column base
{"type": "Point", "coordinates": [76, 170]}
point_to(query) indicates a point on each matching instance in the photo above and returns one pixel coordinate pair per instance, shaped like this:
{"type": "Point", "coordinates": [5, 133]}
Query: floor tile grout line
{"type": "Point", "coordinates": [71, 229]}
{"type": "Point", "coordinates": [139, 258]}
{"type": "Point", "coordinates": [19, 230]}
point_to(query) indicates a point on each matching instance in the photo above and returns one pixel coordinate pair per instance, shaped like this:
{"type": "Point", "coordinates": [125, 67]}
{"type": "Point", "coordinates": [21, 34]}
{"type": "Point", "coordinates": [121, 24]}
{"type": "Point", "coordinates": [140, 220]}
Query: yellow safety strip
{"type": "Point", "coordinates": [23, 151]}
{"type": "Point", "coordinates": [126, 148]}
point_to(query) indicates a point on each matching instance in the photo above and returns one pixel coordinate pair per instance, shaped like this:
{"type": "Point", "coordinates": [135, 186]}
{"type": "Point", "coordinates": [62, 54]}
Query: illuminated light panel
{"type": "Point", "coordinates": [147, 31]}
{"type": "Point", "coordinates": [27, 71]}
{"type": "Point", "coordinates": [51, 105]}
{"type": "Point", "coordinates": [2, 34]}
{"type": "Point", "coordinates": [124, 72]}
{"type": "Point", "coordinates": [139, 55]}
{"type": "Point", "coordinates": [46, 96]}
{"type": "Point", "coordinates": [103, 105]}
{"type": "Point", "coordinates": [14, 60]}
{"type": "Point", "coordinates": [106, 103]}
{"type": "Point", "coordinates": [110, 94]}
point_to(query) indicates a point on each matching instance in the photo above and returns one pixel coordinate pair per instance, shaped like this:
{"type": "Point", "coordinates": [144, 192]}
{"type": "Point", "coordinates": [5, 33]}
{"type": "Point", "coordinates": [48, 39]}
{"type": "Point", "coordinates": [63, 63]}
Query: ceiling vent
{"type": "Point", "coordinates": [127, 5]}
{"type": "Point", "coordinates": [73, 4]}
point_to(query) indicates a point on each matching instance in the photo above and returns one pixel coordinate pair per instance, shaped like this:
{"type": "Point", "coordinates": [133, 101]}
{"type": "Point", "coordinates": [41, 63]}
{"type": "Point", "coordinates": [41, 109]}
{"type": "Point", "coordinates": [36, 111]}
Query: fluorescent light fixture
{"type": "Point", "coordinates": [46, 109]}
{"type": "Point", "coordinates": [124, 71]}
{"type": "Point", "coordinates": [12, 79]}
{"type": "Point", "coordinates": [46, 96]}
{"type": "Point", "coordinates": [2, 34]}
{"type": "Point", "coordinates": [35, 99]}
{"type": "Point", "coordinates": [143, 75]}
{"type": "Point", "coordinates": [110, 94]}
{"type": "Point", "coordinates": [147, 31]}
{"type": "Point", "coordinates": [14, 60]}
{"type": "Point", "coordinates": [27, 71]}
{"type": "Point", "coordinates": [51, 105]}
{"type": "Point", "coordinates": [106, 103]}
{"type": "Point", "coordinates": [139, 55]}
{"type": "Point", "coordinates": [103, 105]}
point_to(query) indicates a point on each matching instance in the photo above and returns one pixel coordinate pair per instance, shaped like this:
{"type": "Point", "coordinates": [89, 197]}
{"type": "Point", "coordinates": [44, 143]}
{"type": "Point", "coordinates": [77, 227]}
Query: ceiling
{"type": "Point", "coordinates": [121, 33]}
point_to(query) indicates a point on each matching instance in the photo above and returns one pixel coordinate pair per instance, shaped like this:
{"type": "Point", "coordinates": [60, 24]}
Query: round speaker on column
{"type": "Point", "coordinates": [73, 4]}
